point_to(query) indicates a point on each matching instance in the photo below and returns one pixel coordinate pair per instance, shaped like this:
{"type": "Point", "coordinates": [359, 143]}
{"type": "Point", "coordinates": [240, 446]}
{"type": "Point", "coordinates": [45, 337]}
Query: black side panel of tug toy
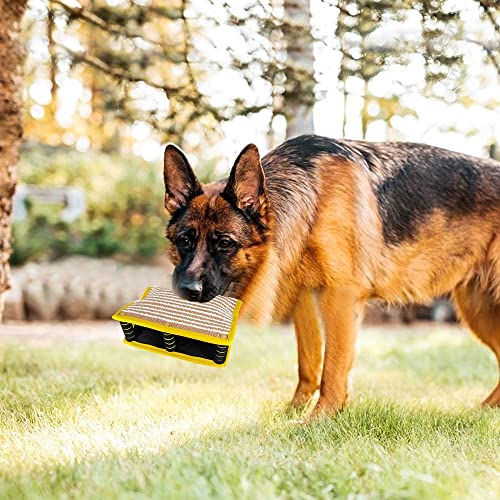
{"type": "Point", "coordinates": [128, 331]}
{"type": "Point", "coordinates": [220, 354]}
{"type": "Point", "coordinates": [175, 343]}
{"type": "Point", "coordinates": [169, 341]}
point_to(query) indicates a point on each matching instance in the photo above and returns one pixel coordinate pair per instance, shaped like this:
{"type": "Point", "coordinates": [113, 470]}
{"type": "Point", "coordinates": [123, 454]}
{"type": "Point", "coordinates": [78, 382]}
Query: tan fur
{"type": "Point", "coordinates": [309, 345]}
{"type": "Point", "coordinates": [261, 294]}
{"type": "Point", "coordinates": [481, 313]}
{"type": "Point", "coordinates": [344, 257]}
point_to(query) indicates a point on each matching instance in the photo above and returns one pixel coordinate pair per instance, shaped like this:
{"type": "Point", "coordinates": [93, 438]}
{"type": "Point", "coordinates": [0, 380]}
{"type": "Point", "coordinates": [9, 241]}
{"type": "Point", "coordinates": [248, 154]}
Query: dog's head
{"type": "Point", "coordinates": [217, 231]}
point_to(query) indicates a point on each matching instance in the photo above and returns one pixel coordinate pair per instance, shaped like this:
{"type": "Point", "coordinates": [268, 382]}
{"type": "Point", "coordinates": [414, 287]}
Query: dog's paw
{"type": "Point", "coordinates": [325, 409]}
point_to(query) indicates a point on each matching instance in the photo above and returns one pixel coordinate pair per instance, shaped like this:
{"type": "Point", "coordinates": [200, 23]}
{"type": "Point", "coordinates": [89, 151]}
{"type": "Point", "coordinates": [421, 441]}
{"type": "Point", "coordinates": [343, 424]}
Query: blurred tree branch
{"type": "Point", "coordinates": [176, 48]}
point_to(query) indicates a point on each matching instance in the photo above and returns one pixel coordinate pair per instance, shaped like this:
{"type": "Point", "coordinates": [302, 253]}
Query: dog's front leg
{"type": "Point", "coordinates": [341, 310]}
{"type": "Point", "coordinates": [309, 348]}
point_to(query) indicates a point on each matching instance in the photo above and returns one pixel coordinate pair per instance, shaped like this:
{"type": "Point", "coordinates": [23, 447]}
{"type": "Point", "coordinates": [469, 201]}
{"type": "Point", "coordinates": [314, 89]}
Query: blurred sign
{"type": "Point", "coordinates": [71, 199]}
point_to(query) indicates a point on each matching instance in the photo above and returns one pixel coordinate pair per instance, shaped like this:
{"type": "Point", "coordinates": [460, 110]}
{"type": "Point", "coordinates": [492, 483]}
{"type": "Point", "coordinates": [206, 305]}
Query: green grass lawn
{"type": "Point", "coordinates": [80, 420]}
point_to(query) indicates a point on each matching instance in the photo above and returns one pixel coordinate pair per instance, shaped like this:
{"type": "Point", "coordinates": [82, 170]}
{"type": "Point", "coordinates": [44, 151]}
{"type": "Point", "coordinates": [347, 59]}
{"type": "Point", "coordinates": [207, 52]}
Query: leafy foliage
{"type": "Point", "coordinates": [438, 46]}
{"type": "Point", "coordinates": [124, 206]}
{"type": "Point", "coordinates": [185, 67]}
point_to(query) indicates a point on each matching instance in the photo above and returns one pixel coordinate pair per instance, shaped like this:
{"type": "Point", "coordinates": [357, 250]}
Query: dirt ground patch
{"type": "Point", "coordinates": [66, 331]}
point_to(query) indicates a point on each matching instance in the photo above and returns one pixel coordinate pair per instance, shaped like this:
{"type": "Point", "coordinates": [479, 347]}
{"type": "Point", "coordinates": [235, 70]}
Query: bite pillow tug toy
{"type": "Point", "coordinates": [161, 322]}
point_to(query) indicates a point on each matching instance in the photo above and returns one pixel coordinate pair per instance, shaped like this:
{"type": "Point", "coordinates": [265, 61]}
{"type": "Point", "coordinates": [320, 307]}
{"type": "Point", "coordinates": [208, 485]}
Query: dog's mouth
{"type": "Point", "coordinates": [230, 291]}
{"type": "Point", "coordinates": [228, 288]}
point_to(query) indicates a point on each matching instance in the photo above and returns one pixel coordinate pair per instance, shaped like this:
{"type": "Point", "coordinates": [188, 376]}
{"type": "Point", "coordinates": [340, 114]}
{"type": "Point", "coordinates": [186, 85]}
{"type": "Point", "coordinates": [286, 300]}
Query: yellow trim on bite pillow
{"type": "Point", "coordinates": [123, 318]}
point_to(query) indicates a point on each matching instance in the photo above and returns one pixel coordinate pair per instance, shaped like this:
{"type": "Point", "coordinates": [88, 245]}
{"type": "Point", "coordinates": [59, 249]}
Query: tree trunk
{"type": "Point", "coordinates": [11, 57]}
{"type": "Point", "coordinates": [300, 57]}
{"type": "Point", "coordinates": [342, 76]}
{"type": "Point", "coordinates": [365, 117]}
{"type": "Point", "coordinates": [52, 52]}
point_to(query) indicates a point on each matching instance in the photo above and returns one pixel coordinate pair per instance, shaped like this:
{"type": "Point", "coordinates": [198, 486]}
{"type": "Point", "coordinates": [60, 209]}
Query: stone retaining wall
{"type": "Point", "coordinates": [78, 288]}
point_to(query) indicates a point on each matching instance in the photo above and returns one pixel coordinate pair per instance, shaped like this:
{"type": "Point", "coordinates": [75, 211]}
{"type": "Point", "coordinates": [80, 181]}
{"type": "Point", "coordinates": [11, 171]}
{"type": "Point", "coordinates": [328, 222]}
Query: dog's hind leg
{"type": "Point", "coordinates": [309, 347]}
{"type": "Point", "coordinates": [480, 311]}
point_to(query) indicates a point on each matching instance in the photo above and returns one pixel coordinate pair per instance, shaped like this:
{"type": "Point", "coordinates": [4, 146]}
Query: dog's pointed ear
{"type": "Point", "coordinates": [180, 182]}
{"type": "Point", "coordinates": [246, 185]}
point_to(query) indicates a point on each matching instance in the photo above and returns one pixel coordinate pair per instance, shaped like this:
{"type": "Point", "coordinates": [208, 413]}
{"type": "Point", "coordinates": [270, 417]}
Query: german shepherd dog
{"type": "Point", "coordinates": [319, 226]}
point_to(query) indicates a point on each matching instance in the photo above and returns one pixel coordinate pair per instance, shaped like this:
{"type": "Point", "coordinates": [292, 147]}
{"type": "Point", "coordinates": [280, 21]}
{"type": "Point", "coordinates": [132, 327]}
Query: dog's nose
{"type": "Point", "coordinates": [191, 290]}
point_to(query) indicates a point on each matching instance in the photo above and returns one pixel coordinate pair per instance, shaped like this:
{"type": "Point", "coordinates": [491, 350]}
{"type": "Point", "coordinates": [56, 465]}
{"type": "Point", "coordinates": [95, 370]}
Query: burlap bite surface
{"type": "Point", "coordinates": [163, 323]}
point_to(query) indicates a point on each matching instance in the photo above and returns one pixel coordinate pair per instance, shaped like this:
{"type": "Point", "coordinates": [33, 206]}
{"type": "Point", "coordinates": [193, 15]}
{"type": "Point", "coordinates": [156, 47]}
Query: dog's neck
{"type": "Point", "coordinates": [260, 295]}
{"type": "Point", "coordinates": [261, 303]}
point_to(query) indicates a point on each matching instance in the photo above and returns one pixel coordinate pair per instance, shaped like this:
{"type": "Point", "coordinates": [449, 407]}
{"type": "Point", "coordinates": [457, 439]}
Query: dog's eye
{"type": "Point", "coordinates": [225, 244]}
{"type": "Point", "coordinates": [183, 242]}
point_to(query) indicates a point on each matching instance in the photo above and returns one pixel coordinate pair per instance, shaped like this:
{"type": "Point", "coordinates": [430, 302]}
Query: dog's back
{"type": "Point", "coordinates": [409, 180]}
